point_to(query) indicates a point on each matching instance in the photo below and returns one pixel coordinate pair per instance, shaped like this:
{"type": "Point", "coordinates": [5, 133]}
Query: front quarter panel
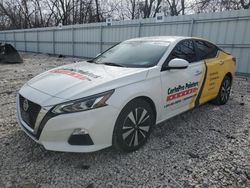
{"type": "Point", "coordinates": [150, 88]}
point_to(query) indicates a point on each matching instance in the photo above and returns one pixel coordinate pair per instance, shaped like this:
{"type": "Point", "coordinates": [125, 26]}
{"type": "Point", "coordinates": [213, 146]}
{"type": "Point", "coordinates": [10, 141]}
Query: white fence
{"type": "Point", "coordinates": [230, 30]}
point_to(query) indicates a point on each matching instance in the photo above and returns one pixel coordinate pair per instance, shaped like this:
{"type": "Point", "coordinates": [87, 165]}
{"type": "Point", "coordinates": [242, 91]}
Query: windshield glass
{"type": "Point", "coordinates": [134, 54]}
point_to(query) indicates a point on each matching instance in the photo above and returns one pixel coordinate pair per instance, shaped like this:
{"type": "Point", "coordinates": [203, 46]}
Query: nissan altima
{"type": "Point", "coordinates": [116, 98]}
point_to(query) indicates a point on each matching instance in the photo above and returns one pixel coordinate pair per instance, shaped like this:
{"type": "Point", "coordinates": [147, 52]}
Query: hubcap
{"type": "Point", "coordinates": [225, 90]}
{"type": "Point", "coordinates": [136, 127]}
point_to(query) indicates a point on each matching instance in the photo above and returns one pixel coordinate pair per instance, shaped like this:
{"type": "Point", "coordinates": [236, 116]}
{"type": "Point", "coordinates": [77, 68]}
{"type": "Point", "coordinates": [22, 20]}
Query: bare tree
{"type": "Point", "coordinates": [15, 14]}
{"type": "Point", "coordinates": [220, 5]}
{"type": "Point", "coordinates": [133, 8]}
{"type": "Point", "coordinates": [176, 7]}
{"type": "Point", "coordinates": [245, 4]}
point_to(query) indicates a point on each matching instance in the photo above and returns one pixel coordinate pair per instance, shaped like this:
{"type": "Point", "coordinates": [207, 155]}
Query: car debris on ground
{"type": "Point", "coordinates": [8, 54]}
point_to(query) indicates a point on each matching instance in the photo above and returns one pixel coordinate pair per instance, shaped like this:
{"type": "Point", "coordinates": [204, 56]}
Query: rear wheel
{"type": "Point", "coordinates": [224, 92]}
{"type": "Point", "coordinates": [133, 125]}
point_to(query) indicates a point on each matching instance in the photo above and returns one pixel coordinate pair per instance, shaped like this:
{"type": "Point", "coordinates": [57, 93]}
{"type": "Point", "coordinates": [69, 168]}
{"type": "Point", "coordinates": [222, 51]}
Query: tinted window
{"type": "Point", "coordinates": [205, 49]}
{"type": "Point", "coordinates": [134, 53]}
{"type": "Point", "coordinates": [184, 50]}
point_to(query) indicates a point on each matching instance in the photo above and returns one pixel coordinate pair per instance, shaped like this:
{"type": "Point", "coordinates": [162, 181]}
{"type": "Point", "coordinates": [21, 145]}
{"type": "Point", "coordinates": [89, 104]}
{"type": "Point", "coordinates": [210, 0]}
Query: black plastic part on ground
{"type": "Point", "coordinates": [8, 54]}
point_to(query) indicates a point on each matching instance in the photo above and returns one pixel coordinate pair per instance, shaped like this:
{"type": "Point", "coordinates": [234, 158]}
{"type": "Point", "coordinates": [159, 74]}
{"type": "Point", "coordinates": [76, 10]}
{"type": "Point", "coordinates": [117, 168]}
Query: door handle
{"type": "Point", "coordinates": [198, 72]}
{"type": "Point", "coordinates": [221, 62]}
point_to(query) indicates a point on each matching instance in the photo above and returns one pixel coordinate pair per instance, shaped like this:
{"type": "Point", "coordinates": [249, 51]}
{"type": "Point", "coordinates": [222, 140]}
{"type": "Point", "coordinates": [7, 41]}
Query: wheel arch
{"type": "Point", "coordinates": [146, 99]}
{"type": "Point", "coordinates": [149, 101]}
{"type": "Point", "coordinates": [116, 139]}
{"type": "Point", "coordinates": [229, 74]}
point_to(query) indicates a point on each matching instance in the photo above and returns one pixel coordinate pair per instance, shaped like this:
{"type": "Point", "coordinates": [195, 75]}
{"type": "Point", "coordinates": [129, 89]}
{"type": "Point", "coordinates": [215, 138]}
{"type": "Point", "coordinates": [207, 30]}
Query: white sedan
{"type": "Point", "coordinates": [117, 97]}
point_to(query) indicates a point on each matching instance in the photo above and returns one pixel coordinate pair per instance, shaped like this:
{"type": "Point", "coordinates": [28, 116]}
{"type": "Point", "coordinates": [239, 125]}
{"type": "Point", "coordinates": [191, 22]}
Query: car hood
{"type": "Point", "coordinates": [83, 79]}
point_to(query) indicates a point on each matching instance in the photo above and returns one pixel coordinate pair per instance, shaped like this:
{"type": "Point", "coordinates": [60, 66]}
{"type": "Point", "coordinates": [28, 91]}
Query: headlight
{"type": "Point", "coordinates": [87, 103]}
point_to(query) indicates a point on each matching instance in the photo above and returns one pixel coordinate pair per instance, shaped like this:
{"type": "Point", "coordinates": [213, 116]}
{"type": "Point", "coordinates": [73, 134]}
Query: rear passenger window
{"type": "Point", "coordinates": [184, 50]}
{"type": "Point", "coordinates": [206, 50]}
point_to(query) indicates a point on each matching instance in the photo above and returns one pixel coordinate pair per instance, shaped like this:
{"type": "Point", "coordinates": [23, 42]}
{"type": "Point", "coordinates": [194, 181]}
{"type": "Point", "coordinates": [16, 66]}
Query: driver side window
{"type": "Point", "coordinates": [183, 50]}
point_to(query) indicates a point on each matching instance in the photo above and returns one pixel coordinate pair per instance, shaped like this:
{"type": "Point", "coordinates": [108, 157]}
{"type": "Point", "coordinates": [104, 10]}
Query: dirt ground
{"type": "Point", "coordinates": [205, 147]}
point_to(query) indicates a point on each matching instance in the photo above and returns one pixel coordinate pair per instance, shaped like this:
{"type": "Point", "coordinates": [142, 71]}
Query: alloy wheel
{"type": "Point", "coordinates": [225, 90]}
{"type": "Point", "coordinates": [136, 127]}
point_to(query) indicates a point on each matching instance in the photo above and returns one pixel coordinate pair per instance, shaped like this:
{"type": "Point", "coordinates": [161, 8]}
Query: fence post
{"type": "Point", "coordinates": [25, 39]}
{"type": "Point", "coordinates": [101, 30]}
{"type": "Point", "coordinates": [139, 29]}
{"type": "Point", "coordinates": [37, 41]}
{"type": "Point", "coordinates": [5, 38]}
{"type": "Point", "coordinates": [73, 42]}
{"type": "Point", "coordinates": [191, 27]}
{"type": "Point", "coordinates": [53, 41]}
{"type": "Point", "coordinates": [14, 38]}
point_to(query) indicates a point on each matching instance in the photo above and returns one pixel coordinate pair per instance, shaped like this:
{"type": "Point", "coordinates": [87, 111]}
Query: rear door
{"type": "Point", "coordinates": [180, 87]}
{"type": "Point", "coordinates": [214, 73]}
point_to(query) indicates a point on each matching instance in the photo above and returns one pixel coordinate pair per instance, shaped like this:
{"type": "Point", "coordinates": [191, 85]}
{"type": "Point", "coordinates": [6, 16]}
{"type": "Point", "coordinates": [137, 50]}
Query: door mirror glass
{"type": "Point", "coordinates": [177, 63]}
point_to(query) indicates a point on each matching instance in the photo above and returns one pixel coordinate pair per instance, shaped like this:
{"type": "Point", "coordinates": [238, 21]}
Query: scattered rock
{"type": "Point", "coordinates": [247, 174]}
{"type": "Point", "coordinates": [246, 132]}
{"type": "Point", "coordinates": [91, 185]}
{"type": "Point", "coordinates": [230, 137]}
{"type": "Point", "coordinates": [6, 92]}
{"type": "Point", "coordinates": [242, 103]}
{"type": "Point", "coordinates": [216, 130]}
{"type": "Point", "coordinates": [84, 167]}
{"type": "Point", "coordinates": [193, 155]}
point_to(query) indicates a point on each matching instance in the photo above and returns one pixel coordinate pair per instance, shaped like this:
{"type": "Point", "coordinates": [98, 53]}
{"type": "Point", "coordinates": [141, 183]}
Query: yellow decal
{"type": "Point", "coordinates": [217, 68]}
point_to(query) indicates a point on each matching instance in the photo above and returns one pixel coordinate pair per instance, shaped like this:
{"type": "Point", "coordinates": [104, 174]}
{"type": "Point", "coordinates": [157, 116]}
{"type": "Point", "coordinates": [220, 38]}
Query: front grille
{"type": "Point", "coordinates": [29, 111]}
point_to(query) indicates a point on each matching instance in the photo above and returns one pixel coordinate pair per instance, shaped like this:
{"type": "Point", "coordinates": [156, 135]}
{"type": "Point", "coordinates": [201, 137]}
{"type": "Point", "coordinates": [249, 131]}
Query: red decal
{"type": "Point", "coordinates": [181, 94]}
{"type": "Point", "coordinates": [71, 73]}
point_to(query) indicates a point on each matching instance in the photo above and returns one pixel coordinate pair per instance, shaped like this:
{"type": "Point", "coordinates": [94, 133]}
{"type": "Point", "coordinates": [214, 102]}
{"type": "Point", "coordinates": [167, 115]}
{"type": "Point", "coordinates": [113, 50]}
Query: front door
{"type": "Point", "coordinates": [180, 87]}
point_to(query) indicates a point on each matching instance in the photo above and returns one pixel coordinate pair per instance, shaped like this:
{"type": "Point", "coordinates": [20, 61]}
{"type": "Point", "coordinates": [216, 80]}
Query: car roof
{"type": "Point", "coordinates": [160, 38]}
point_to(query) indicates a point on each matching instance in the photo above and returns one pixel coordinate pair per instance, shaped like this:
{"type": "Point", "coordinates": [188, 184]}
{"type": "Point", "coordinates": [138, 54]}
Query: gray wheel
{"type": "Point", "coordinates": [133, 125]}
{"type": "Point", "coordinates": [224, 92]}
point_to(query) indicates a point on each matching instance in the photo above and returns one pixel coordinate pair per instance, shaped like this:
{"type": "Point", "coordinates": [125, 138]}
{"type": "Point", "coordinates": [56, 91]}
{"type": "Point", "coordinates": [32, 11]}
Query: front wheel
{"type": "Point", "coordinates": [133, 125]}
{"type": "Point", "coordinates": [224, 92]}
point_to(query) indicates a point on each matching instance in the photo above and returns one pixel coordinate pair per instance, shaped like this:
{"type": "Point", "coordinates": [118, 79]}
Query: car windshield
{"type": "Point", "coordinates": [133, 54]}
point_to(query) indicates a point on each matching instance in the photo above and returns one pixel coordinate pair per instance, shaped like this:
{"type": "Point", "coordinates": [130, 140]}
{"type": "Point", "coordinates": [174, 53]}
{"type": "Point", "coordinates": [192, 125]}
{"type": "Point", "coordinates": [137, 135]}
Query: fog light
{"type": "Point", "coordinates": [80, 132]}
{"type": "Point", "coordinates": [80, 137]}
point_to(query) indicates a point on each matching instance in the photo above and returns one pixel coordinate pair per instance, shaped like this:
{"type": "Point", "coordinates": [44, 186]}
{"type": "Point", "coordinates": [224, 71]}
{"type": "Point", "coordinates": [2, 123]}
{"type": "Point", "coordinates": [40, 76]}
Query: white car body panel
{"type": "Point", "coordinates": [171, 79]}
{"type": "Point", "coordinates": [102, 78]}
{"type": "Point", "coordinates": [56, 133]}
{"type": "Point", "coordinates": [39, 97]}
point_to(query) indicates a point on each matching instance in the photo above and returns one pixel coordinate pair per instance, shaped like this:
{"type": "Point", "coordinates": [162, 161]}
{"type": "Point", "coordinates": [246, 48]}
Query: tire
{"type": "Point", "coordinates": [133, 125]}
{"type": "Point", "coordinates": [224, 92]}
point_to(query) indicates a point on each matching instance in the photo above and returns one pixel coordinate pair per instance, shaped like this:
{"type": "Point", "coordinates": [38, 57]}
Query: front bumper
{"type": "Point", "coordinates": [56, 131]}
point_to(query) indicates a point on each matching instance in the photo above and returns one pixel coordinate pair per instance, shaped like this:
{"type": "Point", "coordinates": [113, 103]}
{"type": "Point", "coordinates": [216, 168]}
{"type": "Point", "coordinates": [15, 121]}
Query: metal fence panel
{"type": "Point", "coordinates": [45, 36]}
{"type": "Point", "coordinates": [229, 30]}
{"type": "Point", "coordinates": [45, 47]}
{"type": "Point", "coordinates": [20, 45]}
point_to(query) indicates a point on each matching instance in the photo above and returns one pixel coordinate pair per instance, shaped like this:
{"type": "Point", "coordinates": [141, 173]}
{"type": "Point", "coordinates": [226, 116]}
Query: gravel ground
{"type": "Point", "coordinates": [205, 147]}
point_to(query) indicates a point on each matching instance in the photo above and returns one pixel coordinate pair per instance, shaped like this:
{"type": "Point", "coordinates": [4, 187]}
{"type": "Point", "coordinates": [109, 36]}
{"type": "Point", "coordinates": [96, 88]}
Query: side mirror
{"type": "Point", "coordinates": [177, 64]}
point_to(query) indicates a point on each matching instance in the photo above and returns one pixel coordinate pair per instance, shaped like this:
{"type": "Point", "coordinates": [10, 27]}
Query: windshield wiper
{"type": "Point", "coordinates": [112, 64]}
{"type": "Point", "coordinates": [90, 61]}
